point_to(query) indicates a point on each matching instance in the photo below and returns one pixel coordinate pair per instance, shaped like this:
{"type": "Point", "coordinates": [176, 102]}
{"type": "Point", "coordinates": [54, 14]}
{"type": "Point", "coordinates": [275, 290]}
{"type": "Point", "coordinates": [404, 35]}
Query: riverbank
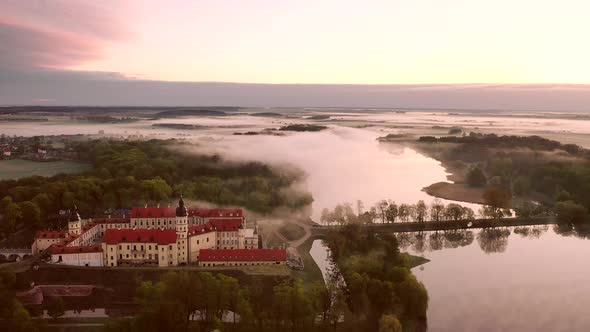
{"type": "Point", "coordinates": [456, 189]}
{"type": "Point", "coordinates": [460, 192]}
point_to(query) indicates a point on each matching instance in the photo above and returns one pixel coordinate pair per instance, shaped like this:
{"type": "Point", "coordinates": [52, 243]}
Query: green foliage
{"type": "Point", "coordinates": [389, 323]}
{"type": "Point", "coordinates": [377, 277]}
{"type": "Point", "coordinates": [570, 212]}
{"type": "Point", "coordinates": [182, 301]}
{"type": "Point", "coordinates": [30, 213]}
{"type": "Point", "coordinates": [127, 173]}
{"type": "Point", "coordinates": [546, 170]}
{"type": "Point", "coordinates": [11, 213]}
{"type": "Point", "coordinates": [475, 177]}
{"type": "Point", "coordinates": [497, 202]}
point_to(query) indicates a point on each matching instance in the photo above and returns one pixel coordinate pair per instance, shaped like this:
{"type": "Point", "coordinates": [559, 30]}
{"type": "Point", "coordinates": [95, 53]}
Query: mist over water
{"type": "Point", "coordinates": [343, 165]}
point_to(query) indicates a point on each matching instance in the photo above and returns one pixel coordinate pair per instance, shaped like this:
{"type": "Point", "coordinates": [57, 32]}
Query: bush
{"type": "Point", "coordinates": [476, 178]}
{"type": "Point", "coordinates": [570, 212]}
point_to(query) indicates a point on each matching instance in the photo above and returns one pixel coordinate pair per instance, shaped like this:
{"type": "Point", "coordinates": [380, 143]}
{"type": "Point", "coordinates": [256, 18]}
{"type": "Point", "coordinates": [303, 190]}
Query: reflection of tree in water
{"type": "Point", "coordinates": [404, 240]}
{"type": "Point", "coordinates": [419, 243]}
{"type": "Point", "coordinates": [578, 230]}
{"type": "Point", "coordinates": [531, 231]}
{"type": "Point", "coordinates": [458, 238]}
{"type": "Point", "coordinates": [436, 241]}
{"type": "Point", "coordinates": [492, 240]}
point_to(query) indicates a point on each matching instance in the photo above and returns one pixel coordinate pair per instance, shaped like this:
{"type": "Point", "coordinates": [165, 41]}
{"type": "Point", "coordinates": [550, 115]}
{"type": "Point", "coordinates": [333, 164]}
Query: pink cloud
{"type": "Point", "coordinates": [58, 33]}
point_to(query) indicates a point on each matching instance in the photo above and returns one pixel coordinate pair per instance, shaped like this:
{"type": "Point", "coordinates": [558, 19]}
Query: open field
{"type": "Point", "coordinates": [18, 168]}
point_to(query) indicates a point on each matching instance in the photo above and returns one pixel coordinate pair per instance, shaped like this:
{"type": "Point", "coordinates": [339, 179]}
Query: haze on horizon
{"type": "Point", "coordinates": [460, 54]}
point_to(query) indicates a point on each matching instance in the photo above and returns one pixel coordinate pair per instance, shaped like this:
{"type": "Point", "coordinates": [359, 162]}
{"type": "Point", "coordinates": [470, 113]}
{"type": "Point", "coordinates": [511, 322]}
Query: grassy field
{"type": "Point", "coordinates": [17, 168]}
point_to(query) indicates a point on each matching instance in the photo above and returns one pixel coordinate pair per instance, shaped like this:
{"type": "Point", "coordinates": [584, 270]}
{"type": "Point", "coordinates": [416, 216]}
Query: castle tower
{"type": "Point", "coordinates": [74, 222]}
{"type": "Point", "coordinates": [182, 232]}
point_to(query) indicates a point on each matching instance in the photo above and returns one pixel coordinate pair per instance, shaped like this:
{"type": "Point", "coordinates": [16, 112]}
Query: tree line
{"type": "Point", "coordinates": [182, 301]}
{"type": "Point", "coordinates": [388, 211]}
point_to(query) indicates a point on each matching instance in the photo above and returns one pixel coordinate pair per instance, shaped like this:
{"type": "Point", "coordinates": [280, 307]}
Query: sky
{"type": "Point", "coordinates": [163, 47]}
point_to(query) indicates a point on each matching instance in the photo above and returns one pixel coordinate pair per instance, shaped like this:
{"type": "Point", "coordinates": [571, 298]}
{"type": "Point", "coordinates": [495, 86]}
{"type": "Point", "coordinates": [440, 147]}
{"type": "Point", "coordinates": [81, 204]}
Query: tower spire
{"type": "Point", "coordinates": [181, 209]}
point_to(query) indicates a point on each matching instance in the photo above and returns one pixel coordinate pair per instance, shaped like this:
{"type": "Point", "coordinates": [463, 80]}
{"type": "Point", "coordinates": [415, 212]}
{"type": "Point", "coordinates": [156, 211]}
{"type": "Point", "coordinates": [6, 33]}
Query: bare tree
{"type": "Point", "coordinates": [437, 210]}
{"type": "Point", "coordinates": [403, 212]}
{"type": "Point", "coordinates": [421, 211]}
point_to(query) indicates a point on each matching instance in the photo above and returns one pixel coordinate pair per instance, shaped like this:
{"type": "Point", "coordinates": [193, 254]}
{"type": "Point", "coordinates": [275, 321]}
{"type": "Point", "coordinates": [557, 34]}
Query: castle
{"type": "Point", "coordinates": [158, 236]}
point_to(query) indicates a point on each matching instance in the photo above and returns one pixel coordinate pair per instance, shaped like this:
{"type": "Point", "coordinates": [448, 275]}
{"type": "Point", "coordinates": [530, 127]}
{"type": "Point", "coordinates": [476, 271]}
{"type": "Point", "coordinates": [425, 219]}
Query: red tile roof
{"type": "Point", "coordinates": [226, 225]}
{"type": "Point", "coordinates": [220, 255]}
{"type": "Point", "coordinates": [114, 236]}
{"type": "Point", "coordinates": [111, 220]}
{"type": "Point", "coordinates": [74, 249]}
{"type": "Point", "coordinates": [153, 212]}
{"type": "Point", "coordinates": [51, 234]}
{"type": "Point", "coordinates": [200, 229]}
{"type": "Point", "coordinates": [215, 213]}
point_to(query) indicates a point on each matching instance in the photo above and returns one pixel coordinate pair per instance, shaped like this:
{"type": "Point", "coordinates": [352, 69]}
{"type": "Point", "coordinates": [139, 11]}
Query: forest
{"type": "Point", "coordinates": [531, 168]}
{"type": "Point", "coordinates": [380, 291]}
{"type": "Point", "coordinates": [134, 173]}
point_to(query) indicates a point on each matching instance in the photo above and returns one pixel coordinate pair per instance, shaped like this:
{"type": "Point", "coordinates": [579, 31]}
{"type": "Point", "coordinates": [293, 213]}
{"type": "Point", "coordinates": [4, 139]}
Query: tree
{"type": "Point", "coordinates": [437, 209]}
{"type": "Point", "coordinates": [454, 212]}
{"type": "Point", "coordinates": [56, 307]}
{"type": "Point", "coordinates": [497, 200]}
{"type": "Point", "coordinates": [381, 208]}
{"type": "Point", "coordinates": [403, 212]}
{"type": "Point", "coordinates": [521, 186]}
{"type": "Point", "coordinates": [525, 210]}
{"type": "Point", "coordinates": [571, 212]}
{"type": "Point", "coordinates": [421, 211]}
{"type": "Point", "coordinates": [389, 323]}
{"type": "Point", "coordinates": [30, 213]}
{"type": "Point", "coordinates": [156, 190]}
{"type": "Point", "coordinates": [10, 212]}
{"type": "Point", "coordinates": [475, 177]}
{"type": "Point", "coordinates": [391, 212]}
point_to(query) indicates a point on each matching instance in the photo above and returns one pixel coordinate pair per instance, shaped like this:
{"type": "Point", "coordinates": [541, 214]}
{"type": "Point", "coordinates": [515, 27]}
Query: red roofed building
{"type": "Point", "coordinates": [45, 239]}
{"type": "Point", "coordinates": [152, 236]}
{"type": "Point", "coordinates": [216, 213]}
{"type": "Point", "coordinates": [242, 257]}
{"type": "Point", "coordinates": [140, 247]}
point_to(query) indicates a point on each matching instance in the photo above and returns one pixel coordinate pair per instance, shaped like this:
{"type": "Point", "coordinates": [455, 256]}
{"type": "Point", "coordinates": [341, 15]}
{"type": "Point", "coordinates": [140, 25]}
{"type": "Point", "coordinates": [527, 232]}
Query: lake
{"type": "Point", "coordinates": [509, 279]}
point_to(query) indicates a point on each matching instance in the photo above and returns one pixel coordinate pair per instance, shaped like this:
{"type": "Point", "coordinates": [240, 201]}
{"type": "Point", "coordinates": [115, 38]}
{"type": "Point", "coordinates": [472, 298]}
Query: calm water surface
{"type": "Point", "coordinates": [499, 280]}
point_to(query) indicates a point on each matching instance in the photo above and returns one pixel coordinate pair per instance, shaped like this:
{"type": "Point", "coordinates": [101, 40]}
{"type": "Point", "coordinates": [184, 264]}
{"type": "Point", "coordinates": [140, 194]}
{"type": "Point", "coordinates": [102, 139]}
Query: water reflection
{"type": "Point", "coordinates": [505, 279]}
{"type": "Point", "coordinates": [490, 240]}
{"type": "Point", "coordinates": [493, 240]}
